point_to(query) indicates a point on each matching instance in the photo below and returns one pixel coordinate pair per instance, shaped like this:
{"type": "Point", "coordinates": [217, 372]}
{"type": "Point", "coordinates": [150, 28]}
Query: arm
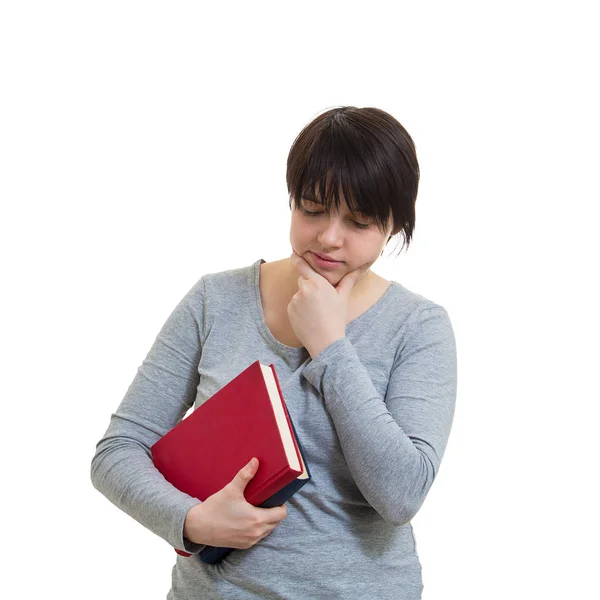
{"type": "Point", "coordinates": [393, 445]}
{"type": "Point", "coordinates": [163, 389]}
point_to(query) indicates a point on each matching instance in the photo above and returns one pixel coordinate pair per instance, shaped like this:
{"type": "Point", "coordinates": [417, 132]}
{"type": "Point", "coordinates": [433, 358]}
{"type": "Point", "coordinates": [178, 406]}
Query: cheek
{"type": "Point", "coordinates": [364, 258]}
{"type": "Point", "coordinates": [301, 236]}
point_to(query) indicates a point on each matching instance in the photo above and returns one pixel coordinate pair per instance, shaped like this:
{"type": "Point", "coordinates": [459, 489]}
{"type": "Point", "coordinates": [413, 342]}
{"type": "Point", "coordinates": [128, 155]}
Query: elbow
{"type": "Point", "coordinates": [95, 472]}
{"type": "Point", "coordinates": [114, 463]}
{"type": "Point", "coordinates": [400, 513]}
{"type": "Point", "coordinates": [399, 509]}
{"type": "Point", "coordinates": [102, 464]}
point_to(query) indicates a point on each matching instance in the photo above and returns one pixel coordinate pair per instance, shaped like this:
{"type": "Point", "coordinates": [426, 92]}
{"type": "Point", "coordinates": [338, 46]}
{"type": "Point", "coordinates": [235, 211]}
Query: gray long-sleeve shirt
{"type": "Point", "coordinates": [373, 412]}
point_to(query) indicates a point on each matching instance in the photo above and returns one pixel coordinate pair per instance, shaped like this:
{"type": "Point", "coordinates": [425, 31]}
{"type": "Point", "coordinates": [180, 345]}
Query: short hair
{"type": "Point", "coordinates": [368, 155]}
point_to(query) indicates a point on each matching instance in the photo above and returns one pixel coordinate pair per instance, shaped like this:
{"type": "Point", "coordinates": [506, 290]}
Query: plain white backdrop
{"type": "Point", "coordinates": [144, 144]}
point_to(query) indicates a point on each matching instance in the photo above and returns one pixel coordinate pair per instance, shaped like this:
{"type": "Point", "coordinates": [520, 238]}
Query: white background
{"type": "Point", "coordinates": [143, 144]}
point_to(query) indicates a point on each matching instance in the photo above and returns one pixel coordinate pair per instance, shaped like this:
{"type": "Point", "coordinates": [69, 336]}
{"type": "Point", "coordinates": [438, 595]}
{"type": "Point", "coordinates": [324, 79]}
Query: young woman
{"type": "Point", "coordinates": [366, 366]}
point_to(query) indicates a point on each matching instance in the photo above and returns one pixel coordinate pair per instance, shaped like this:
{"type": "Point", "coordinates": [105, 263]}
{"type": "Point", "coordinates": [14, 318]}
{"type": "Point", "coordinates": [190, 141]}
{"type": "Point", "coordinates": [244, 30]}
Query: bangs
{"type": "Point", "coordinates": [337, 188]}
{"type": "Point", "coordinates": [361, 156]}
{"type": "Point", "coordinates": [332, 172]}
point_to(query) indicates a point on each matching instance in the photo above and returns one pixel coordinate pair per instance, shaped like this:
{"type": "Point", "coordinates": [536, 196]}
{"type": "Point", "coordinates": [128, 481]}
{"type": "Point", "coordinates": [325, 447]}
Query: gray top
{"type": "Point", "coordinates": [373, 412]}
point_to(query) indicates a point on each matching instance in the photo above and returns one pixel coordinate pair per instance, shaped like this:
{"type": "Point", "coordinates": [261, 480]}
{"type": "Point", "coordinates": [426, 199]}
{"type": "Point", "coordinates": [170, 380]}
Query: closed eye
{"type": "Point", "coordinates": [310, 213]}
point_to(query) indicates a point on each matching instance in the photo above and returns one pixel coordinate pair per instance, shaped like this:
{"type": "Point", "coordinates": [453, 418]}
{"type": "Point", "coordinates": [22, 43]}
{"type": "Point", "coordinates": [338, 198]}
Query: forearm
{"type": "Point", "coordinates": [393, 446]}
{"type": "Point", "coordinates": [391, 472]}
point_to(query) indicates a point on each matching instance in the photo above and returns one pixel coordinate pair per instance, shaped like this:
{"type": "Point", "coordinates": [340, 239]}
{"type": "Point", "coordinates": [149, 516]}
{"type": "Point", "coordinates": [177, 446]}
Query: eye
{"type": "Point", "coordinates": [361, 225]}
{"type": "Point", "coordinates": [309, 213]}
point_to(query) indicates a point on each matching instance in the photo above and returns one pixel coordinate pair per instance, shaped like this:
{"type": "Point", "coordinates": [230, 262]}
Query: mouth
{"type": "Point", "coordinates": [323, 257]}
{"type": "Point", "coordinates": [321, 260]}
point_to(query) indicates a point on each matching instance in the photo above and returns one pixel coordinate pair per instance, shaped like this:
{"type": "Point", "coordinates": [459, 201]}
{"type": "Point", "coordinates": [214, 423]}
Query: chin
{"type": "Point", "coordinates": [333, 279]}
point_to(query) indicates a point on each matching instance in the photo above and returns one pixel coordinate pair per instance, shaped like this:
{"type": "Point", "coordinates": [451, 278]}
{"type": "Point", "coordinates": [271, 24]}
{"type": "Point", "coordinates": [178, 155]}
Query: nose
{"type": "Point", "coordinates": [332, 234]}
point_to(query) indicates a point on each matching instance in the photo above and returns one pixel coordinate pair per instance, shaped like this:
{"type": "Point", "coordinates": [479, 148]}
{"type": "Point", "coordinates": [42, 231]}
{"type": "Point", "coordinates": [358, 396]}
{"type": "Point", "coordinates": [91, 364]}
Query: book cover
{"type": "Point", "coordinates": [245, 418]}
{"type": "Point", "coordinates": [215, 554]}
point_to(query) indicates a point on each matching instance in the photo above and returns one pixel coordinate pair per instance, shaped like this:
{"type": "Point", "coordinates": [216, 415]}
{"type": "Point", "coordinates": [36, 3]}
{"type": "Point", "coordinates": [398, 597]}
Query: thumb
{"type": "Point", "coordinates": [245, 475]}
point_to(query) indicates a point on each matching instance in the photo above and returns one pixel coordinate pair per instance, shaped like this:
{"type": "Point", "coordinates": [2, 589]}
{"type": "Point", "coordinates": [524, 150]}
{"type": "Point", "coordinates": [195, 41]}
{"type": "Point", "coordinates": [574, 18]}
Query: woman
{"type": "Point", "coordinates": [367, 368]}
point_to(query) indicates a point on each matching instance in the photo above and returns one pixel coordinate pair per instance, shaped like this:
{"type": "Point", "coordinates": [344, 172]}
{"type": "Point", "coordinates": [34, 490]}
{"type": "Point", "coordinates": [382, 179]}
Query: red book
{"type": "Point", "coordinates": [247, 417]}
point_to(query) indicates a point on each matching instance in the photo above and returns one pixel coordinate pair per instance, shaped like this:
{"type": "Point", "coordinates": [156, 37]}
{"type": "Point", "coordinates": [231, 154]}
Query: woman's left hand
{"type": "Point", "coordinates": [318, 312]}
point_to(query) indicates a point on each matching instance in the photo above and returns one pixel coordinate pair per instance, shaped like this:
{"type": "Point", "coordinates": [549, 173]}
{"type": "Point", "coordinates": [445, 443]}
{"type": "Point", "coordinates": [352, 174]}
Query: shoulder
{"type": "Point", "coordinates": [230, 281]}
{"type": "Point", "coordinates": [410, 304]}
{"type": "Point", "coordinates": [214, 288]}
{"type": "Point", "coordinates": [428, 340]}
{"type": "Point", "coordinates": [417, 316]}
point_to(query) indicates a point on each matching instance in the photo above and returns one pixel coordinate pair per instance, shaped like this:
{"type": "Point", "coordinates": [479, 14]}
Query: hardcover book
{"type": "Point", "coordinates": [245, 418]}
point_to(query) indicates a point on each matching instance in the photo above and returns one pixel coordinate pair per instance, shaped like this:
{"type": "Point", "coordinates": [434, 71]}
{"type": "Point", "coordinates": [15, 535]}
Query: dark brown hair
{"type": "Point", "coordinates": [367, 155]}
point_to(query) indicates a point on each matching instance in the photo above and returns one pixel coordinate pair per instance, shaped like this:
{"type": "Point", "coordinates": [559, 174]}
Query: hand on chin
{"type": "Point", "coordinates": [332, 278]}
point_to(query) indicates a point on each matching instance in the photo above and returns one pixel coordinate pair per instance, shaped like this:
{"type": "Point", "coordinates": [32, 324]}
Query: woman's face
{"type": "Point", "coordinates": [341, 236]}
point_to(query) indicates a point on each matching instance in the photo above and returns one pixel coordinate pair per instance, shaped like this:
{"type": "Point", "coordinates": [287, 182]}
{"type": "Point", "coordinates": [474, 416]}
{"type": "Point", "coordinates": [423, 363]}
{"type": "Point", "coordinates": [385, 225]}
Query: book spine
{"type": "Point", "coordinates": [212, 555]}
{"type": "Point", "coordinates": [283, 495]}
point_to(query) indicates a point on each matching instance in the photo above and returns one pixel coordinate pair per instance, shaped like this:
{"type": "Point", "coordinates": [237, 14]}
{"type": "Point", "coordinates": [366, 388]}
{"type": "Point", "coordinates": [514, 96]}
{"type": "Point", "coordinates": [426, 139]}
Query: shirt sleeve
{"type": "Point", "coordinates": [393, 445]}
{"type": "Point", "coordinates": [162, 391]}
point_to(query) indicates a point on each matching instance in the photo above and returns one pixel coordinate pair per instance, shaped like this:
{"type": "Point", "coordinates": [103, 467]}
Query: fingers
{"type": "Point", "coordinates": [269, 527]}
{"type": "Point", "coordinates": [269, 532]}
{"type": "Point", "coordinates": [275, 515]}
{"type": "Point", "coordinates": [259, 531]}
{"type": "Point", "coordinates": [303, 267]}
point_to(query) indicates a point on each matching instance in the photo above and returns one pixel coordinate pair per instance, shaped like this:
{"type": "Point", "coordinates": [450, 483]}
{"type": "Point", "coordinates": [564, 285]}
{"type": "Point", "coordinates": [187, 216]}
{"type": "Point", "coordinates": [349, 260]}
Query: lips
{"type": "Point", "coordinates": [325, 257]}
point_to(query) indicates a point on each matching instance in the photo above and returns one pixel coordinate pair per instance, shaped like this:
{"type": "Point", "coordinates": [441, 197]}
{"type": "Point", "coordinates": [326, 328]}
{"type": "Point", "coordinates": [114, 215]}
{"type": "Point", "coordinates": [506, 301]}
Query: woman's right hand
{"type": "Point", "coordinates": [226, 519]}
